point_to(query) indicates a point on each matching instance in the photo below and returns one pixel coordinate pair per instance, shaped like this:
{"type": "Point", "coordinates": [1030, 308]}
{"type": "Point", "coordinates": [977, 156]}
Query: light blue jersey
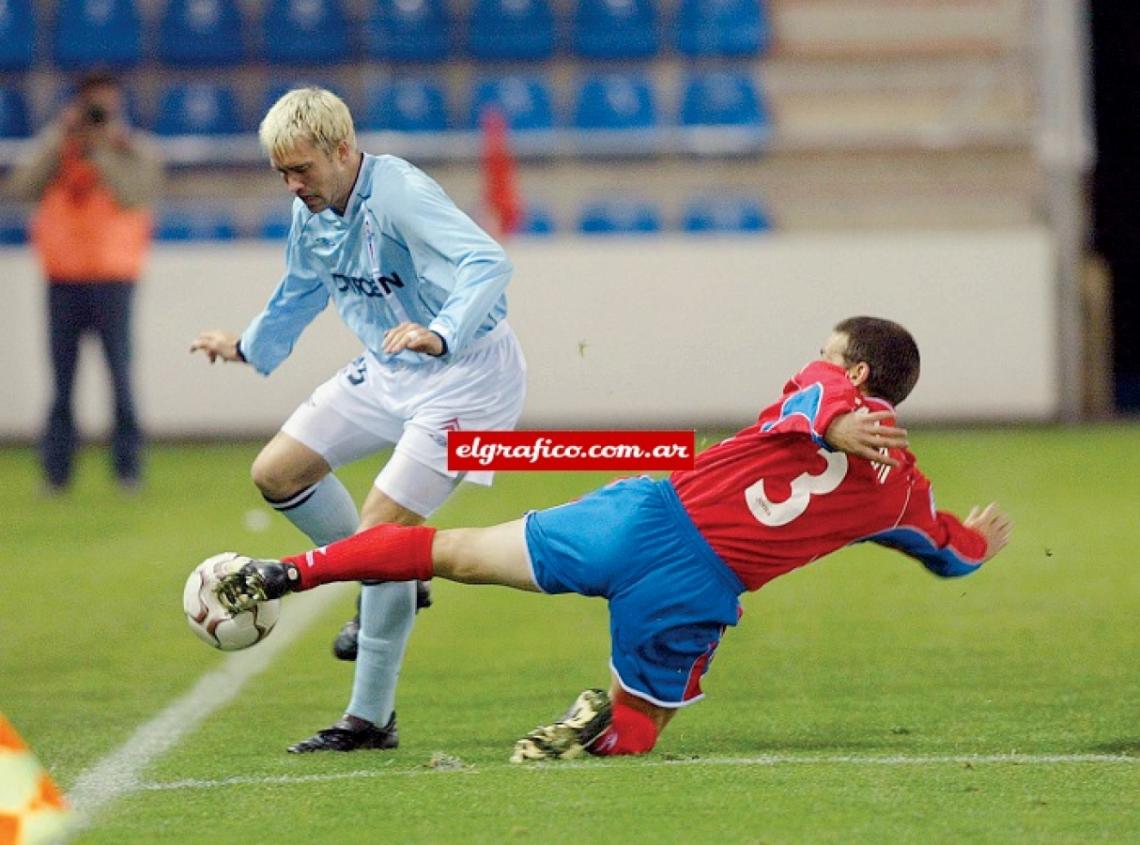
{"type": "Point", "coordinates": [402, 252]}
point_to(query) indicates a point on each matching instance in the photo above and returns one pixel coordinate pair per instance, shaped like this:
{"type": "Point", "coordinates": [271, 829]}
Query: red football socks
{"type": "Point", "coordinates": [380, 553]}
{"type": "Point", "coordinates": [631, 732]}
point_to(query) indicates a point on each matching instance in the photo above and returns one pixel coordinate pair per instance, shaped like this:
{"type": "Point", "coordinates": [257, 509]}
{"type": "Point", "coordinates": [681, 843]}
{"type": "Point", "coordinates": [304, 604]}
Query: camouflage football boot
{"type": "Point", "coordinates": [587, 719]}
{"type": "Point", "coordinates": [257, 581]}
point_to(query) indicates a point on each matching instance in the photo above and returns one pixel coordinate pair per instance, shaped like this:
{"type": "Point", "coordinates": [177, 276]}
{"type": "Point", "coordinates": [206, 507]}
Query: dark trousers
{"type": "Point", "coordinates": [73, 309]}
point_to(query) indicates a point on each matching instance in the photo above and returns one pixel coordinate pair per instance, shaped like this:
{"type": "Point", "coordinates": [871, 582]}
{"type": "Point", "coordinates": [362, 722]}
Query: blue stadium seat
{"type": "Point", "coordinates": [722, 27]}
{"type": "Point", "coordinates": [13, 114]}
{"type": "Point", "coordinates": [305, 32]}
{"type": "Point", "coordinates": [511, 29]}
{"type": "Point", "coordinates": [194, 224]}
{"type": "Point", "coordinates": [523, 100]}
{"type": "Point", "coordinates": [724, 214]}
{"type": "Point", "coordinates": [721, 98]}
{"type": "Point", "coordinates": [406, 105]}
{"type": "Point", "coordinates": [408, 30]}
{"type": "Point", "coordinates": [17, 34]}
{"type": "Point", "coordinates": [537, 220]}
{"type": "Point", "coordinates": [197, 109]}
{"type": "Point", "coordinates": [615, 29]}
{"type": "Point", "coordinates": [276, 222]}
{"type": "Point", "coordinates": [201, 33]}
{"type": "Point", "coordinates": [13, 230]}
{"type": "Point", "coordinates": [616, 217]}
{"type": "Point", "coordinates": [97, 33]}
{"type": "Point", "coordinates": [615, 101]}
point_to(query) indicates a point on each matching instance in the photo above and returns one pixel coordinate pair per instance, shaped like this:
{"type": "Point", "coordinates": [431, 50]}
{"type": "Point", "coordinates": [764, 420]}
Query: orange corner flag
{"type": "Point", "coordinates": [32, 809]}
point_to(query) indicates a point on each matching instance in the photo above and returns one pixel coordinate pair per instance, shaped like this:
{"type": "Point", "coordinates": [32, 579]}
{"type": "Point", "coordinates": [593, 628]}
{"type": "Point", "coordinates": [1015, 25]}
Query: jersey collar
{"type": "Point", "coordinates": [362, 190]}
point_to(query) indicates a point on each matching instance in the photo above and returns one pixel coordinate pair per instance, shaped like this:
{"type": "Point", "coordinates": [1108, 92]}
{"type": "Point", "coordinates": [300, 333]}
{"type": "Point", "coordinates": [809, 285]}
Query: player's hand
{"type": "Point", "coordinates": [217, 344]}
{"type": "Point", "coordinates": [992, 523]}
{"type": "Point", "coordinates": [412, 336]}
{"type": "Point", "coordinates": [865, 436]}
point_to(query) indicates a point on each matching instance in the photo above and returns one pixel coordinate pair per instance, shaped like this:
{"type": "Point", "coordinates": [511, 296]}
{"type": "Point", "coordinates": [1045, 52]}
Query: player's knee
{"type": "Point", "coordinates": [285, 467]}
{"type": "Point", "coordinates": [274, 479]}
{"type": "Point", "coordinates": [265, 478]}
{"type": "Point", "coordinates": [387, 512]}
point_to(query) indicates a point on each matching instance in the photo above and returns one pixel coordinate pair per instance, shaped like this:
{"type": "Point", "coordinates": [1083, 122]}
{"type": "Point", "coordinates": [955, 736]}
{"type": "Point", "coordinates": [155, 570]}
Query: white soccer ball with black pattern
{"type": "Point", "coordinates": [210, 619]}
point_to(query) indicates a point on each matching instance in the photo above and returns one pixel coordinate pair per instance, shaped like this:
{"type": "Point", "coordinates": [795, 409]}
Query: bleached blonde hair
{"type": "Point", "coordinates": [306, 114]}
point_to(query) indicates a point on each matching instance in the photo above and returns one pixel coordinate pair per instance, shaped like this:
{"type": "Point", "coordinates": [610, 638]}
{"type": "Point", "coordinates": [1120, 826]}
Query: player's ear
{"type": "Point", "coordinates": [859, 373]}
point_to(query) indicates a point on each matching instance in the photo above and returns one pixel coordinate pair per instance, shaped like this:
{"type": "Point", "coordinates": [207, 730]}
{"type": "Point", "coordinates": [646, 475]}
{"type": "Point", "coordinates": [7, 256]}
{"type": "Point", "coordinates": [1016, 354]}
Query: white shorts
{"type": "Point", "coordinates": [371, 404]}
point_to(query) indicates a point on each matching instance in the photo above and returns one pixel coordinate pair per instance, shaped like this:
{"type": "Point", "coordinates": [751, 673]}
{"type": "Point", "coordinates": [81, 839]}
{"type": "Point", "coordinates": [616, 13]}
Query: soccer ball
{"type": "Point", "coordinates": [209, 618]}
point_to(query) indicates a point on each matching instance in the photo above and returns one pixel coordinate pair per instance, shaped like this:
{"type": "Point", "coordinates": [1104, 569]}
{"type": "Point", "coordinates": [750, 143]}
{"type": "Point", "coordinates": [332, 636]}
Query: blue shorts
{"type": "Point", "coordinates": [670, 596]}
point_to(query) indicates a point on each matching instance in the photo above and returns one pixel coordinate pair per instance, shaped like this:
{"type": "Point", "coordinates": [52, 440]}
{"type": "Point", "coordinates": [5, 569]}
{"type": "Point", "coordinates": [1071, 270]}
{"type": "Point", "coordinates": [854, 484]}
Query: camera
{"type": "Point", "coordinates": [95, 114]}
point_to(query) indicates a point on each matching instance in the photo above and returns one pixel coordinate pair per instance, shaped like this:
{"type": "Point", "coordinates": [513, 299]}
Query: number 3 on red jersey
{"type": "Point", "coordinates": [804, 486]}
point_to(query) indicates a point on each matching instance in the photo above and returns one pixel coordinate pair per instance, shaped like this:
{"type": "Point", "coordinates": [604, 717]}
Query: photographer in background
{"type": "Point", "coordinates": [94, 178]}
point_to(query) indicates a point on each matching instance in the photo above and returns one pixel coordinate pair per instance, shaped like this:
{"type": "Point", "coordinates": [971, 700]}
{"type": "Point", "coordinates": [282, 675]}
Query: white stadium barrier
{"type": "Point", "coordinates": [632, 332]}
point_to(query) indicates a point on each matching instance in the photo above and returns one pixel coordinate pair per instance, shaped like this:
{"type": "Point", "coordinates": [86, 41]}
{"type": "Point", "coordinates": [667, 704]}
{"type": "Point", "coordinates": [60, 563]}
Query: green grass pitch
{"type": "Point", "coordinates": [860, 699]}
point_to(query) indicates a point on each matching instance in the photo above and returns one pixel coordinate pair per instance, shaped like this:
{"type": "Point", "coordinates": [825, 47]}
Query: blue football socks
{"type": "Point", "coordinates": [387, 612]}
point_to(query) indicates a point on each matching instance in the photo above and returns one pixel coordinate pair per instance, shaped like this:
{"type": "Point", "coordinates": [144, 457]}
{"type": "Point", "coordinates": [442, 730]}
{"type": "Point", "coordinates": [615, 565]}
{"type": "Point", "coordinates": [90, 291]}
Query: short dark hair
{"type": "Point", "coordinates": [888, 350]}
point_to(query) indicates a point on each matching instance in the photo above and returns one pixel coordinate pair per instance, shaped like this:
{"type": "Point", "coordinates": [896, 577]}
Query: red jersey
{"type": "Point", "coordinates": [774, 496]}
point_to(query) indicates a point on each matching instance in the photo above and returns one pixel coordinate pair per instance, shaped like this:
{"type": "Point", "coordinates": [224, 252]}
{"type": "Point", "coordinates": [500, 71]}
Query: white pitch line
{"type": "Point", "coordinates": [763, 760]}
{"type": "Point", "coordinates": [905, 760]}
{"type": "Point", "coordinates": [118, 774]}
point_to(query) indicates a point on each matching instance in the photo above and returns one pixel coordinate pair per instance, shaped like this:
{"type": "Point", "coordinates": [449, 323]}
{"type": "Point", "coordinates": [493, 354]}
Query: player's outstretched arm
{"type": "Point", "coordinates": [217, 344]}
{"type": "Point", "coordinates": [993, 524]}
{"type": "Point", "coordinates": [866, 436]}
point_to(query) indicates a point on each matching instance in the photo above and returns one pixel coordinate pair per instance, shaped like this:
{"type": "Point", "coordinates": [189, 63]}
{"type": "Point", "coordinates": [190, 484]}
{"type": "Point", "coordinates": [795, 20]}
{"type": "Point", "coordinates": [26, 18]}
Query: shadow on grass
{"type": "Point", "coordinates": [1129, 746]}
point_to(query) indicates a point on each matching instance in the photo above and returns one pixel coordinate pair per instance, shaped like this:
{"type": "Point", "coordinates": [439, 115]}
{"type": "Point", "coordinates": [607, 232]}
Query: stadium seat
{"type": "Point", "coordinates": [17, 34]}
{"type": "Point", "coordinates": [97, 33]}
{"type": "Point", "coordinates": [511, 29]}
{"type": "Point", "coordinates": [615, 29]}
{"type": "Point", "coordinates": [406, 105]}
{"type": "Point", "coordinates": [408, 30]}
{"type": "Point", "coordinates": [197, 109]}
{"type": "Point", "coordinates": [722, 27]}
{"type": "Point", "coordinates": [194, 224]}
{"type": "Point", "coordinates": [13, 114]}
{"type": "Point", "coordinates": [276, 222]}
{"type": "Point", "coordinates": [724, 214]}
{"type": "Point", "coordinates": [523, 100]}
{"type": "Point", "coordinates": [13, 230]}
{"type": "Point", "coordinates": [201, 33]}
{"type": "Point", "coordinates": [721, 98]}
{"type": "Point", "coordinates": [537, 220]}
{"type": "Point", "coordinates": [615, 101]}
{"type": "Point", "coordinates": [614, 217]}
{"type": "Point", "coordinates": [305, 32]}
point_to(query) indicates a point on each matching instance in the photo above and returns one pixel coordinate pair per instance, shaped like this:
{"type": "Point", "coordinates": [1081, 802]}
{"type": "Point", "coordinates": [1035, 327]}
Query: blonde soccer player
{"type": "Point", "coordinates": [422, 287]}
